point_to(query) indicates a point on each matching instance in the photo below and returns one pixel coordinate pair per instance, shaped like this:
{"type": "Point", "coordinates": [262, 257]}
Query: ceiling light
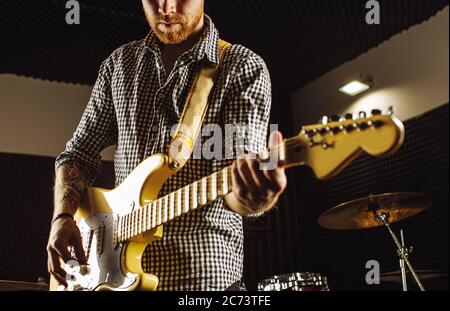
{"type": "Point", "coordinates": [356, 87]}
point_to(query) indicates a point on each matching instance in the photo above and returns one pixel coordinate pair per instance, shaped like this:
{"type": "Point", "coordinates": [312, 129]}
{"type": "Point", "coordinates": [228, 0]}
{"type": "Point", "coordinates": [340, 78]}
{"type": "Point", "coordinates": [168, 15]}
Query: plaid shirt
{"type": "Point", "coordinates": [134, 104]}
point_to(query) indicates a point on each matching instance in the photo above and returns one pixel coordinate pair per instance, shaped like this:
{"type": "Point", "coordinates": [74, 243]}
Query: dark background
{"type": "Point", "coordinates": [300, 41]}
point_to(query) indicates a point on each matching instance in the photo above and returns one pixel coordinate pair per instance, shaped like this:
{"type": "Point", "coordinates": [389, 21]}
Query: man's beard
{"type": "Point", "coordinates": [180, 32]}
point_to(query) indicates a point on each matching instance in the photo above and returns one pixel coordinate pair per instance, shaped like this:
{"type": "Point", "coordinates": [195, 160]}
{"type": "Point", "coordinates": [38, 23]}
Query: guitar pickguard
{"type": "Point", "coordinates": [104, 268]}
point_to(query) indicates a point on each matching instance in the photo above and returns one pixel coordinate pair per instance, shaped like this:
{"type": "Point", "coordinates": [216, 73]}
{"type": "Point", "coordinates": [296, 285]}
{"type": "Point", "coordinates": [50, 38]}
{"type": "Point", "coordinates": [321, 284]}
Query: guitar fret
{"type": "Point", "coordinates": [219, 183]}
{"type": "Point", "coordinates": [136, 222]}
{"type": "Point", "coordinates": [158, 212]}
{"type": "Point", "coordinates": [128, 226]}
{"type": "Point", "coordinates": [224, 181]}
{"type": "Point", "coordinates": [119, 233]}
{"type": "Point", "coordinates": [203, 192]}
{"type": "Point", "coordinates": [164, 218]}
{"type": "Point", "coordinates": [153, 217]}
{"type": "Point", "coordinates": [186, 199]}
{"type": "Point", "coordinates": [193, 195]}
{"type": "Point", "coordinates": [229, 181]}
{"type": "Point", "coordinates": [178, 198]}
{"type": "Point", "coordinates": [140, 222]}
{"type": "Point", "coordinates": [151, 206]}
{"type": "Point", "coordinates": [133, 224]}
{"type": "Point", "coordinates": [124, 226]}
{"type": "Point", "coordinates": [130, 218]}
{"type": "Point", "coordinates": [140, 229]}
{"type": "Point", "coordinates": [118, 230]}
{"type": "Point", "coordinates": [212, 192]}
{"type": "Point", "coordinates": [148, 208]}
{"type": "Point", "coordinates": [171, 205]}
{"type": "Point", "coordinates": [143, 214]}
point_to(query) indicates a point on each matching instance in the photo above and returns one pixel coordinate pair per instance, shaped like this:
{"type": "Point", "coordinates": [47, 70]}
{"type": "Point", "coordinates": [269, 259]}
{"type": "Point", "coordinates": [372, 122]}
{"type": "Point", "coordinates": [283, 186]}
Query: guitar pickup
{"type": "Point", "coordinates": [99, 235]}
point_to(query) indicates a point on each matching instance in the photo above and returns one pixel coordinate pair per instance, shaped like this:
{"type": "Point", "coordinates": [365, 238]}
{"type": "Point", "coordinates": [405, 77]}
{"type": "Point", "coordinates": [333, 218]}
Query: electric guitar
{"type": "Point", "coordinates": [117, 225]}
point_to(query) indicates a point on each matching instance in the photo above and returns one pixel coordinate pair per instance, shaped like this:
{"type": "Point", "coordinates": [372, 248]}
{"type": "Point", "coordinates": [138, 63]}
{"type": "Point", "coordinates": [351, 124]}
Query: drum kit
{"type": "Point", "coordinates": [7, 286]}
{"type": "Point", "coordinates": [369, 212]}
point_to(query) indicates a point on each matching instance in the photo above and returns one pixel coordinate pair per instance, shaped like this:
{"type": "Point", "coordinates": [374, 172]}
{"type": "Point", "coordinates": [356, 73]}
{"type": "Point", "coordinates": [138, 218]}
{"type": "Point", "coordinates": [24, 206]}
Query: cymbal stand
{"type": "Point", "coordinates": [402, 251]}
{"type": "Point", "coordinates": [406, 251]}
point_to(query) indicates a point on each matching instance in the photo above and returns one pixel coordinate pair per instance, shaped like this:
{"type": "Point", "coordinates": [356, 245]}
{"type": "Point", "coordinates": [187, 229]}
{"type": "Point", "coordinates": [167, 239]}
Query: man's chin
{"type": "Point", "coordinates": [172, 38]}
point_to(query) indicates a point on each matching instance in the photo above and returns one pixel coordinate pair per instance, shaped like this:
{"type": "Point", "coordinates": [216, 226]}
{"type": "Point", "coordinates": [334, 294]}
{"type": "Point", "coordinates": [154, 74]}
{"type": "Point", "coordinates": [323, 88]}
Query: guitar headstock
{"type": "Point", "coordinates": [330, 146]}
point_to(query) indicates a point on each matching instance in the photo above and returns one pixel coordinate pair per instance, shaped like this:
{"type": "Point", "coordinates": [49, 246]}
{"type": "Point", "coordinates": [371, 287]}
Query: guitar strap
{"type": "Point", "coordinates": [194, 111]}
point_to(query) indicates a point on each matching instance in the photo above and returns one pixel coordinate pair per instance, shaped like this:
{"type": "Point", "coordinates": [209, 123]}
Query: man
{"type": "Point", "coordinates": [138, 97]}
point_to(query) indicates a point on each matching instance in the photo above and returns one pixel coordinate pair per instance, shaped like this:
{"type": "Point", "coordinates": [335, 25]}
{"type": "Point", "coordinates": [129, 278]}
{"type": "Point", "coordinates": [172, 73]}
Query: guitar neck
{"type": "Point", "coordinates": [174, 204]}
{"type": "Point", "coordinates": [326, 148]}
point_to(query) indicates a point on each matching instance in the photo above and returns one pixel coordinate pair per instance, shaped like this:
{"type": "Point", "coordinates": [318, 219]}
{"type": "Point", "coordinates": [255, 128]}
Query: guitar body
{"type": "Point", "coordinates": [114, 266]}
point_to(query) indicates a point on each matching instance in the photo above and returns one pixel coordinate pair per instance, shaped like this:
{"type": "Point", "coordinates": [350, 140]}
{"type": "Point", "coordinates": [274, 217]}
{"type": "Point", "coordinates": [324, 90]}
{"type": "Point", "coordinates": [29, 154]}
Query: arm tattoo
{"type": "Point", "coordinates": [70, 185]}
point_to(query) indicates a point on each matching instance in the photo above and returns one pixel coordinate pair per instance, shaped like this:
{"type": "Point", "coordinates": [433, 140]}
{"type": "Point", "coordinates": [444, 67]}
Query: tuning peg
{"type": "Point", "coordinates": [348, 116]}
{"type": "Point", "coordinates": [378, 124]}
{"type": "Point", "coordinates": [335, 130]}
{"type": "Point", "coordinates": [362, 114]}
{"type": "Point", "coordinates": [349, 128]}
{"type": "Point", "coordinates": [335, 118]}
{"type": "Point", "coordinates": [310, 133]}
{"type": "Point", "coordinates": [362, 126]}
{"type": "Point", "coordinates": [324, 120]}
{"type": "Point", "coordinates": [376, 112]}
{"type": "Point", "coordinates": [390, 111]}
{"type": "Point", "coordinates": [324, 130]}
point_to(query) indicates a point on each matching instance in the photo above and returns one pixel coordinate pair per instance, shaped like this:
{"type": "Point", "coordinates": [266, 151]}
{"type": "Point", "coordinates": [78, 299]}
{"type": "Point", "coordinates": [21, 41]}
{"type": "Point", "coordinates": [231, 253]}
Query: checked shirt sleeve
{"type": "Point", "coordinates": [96, 130]}
{"type": "Point", "coordinates": [247, 108]}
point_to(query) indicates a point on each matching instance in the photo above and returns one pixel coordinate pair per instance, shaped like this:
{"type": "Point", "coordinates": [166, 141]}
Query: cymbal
{"type": "Point", "coordinates": [6, 285]}
{"type": "Point", "coordinates": [396, 276]}
{"type": "Point", "coordinates": [359, 213]}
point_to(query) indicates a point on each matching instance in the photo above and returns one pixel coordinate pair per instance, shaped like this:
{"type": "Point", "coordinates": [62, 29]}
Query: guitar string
{"type": "Point", "coordinates": [294, 141]}
{"type": "Point", "coordinates": [136, 221]}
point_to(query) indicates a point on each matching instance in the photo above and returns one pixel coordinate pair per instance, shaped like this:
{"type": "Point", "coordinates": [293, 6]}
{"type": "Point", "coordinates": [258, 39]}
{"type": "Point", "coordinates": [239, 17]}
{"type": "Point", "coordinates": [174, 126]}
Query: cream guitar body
{"type": "Point", "coordinates": [117, 225]}
{"type": "Point", "coordinates": [111, 265]}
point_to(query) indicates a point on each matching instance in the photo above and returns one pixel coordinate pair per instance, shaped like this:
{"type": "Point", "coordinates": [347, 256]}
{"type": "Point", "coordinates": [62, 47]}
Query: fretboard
{"type": "Point", "coordinates": [175, 204]}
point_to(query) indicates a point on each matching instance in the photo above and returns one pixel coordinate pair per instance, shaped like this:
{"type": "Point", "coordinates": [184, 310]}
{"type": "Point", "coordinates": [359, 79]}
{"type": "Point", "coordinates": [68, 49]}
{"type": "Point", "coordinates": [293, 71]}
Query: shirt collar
{"type": "Point", "coordinates": [207, 46]}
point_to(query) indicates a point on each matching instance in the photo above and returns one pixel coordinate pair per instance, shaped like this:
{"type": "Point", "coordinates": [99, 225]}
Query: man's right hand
{"type": "Point", "coordinates": [64, 233]}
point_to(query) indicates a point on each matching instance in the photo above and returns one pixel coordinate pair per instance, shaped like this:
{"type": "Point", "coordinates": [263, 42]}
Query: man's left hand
{"type": "Point", "coordinates": [255, 190]}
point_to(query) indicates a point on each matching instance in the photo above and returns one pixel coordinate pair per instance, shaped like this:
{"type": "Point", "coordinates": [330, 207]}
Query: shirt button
{"type": "Point", "coordinates": [161, 96]}
{"type": "Point", "coordinates": [154, 128]}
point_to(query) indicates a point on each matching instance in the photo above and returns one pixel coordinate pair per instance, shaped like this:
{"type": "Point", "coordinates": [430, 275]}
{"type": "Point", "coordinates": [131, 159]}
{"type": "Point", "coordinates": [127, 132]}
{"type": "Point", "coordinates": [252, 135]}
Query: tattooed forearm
{"type": "Point", "coordinates": [69, 188]}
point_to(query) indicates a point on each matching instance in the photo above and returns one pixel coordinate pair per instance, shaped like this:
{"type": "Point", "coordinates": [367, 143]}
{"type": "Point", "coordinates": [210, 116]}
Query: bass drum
{"type": "Point", "coordinates": [6, 286]}
{"type": "Point", "coordinates": [299, 281]}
